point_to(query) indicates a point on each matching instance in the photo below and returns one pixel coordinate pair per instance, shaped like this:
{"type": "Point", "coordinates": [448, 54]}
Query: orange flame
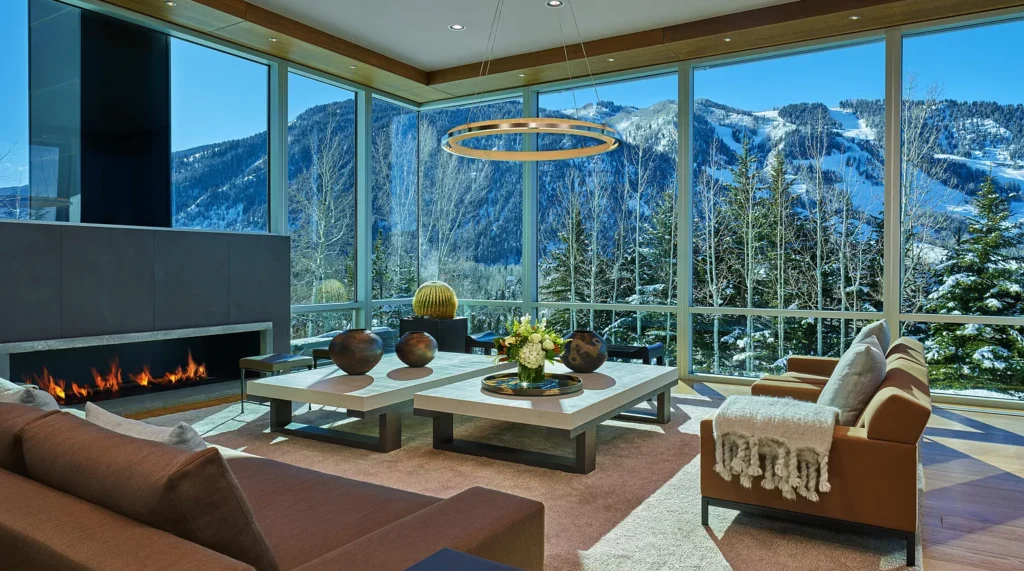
{"type": "Point", "coordinates": [111, 381]}
{"type": "Point", "coordinates": [144, 378]}
{"type": "Point", "coordinates": [49, 384]}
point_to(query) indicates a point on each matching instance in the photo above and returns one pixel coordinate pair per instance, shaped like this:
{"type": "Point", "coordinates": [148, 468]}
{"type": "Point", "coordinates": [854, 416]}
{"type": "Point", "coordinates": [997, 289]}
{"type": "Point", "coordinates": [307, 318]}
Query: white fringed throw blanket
{"type": "Point", "coordinates": [792, 436]}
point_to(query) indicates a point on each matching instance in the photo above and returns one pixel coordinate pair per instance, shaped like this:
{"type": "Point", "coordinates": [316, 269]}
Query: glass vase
{"type": "Point", "coordinates": [531, 377]}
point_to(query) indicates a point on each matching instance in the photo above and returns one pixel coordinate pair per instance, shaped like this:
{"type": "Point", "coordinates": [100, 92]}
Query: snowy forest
{"type": "Point", "coordinates": [787, 213]}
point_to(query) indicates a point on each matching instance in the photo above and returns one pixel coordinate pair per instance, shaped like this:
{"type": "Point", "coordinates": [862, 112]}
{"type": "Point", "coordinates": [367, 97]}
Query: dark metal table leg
{"type": "Point", "coordinates": [280, 414]}
{"type": "Point", "coordinates": [444, 430]}
{"type": "Point", "coordinates": [389, 426]}
{"type": "Point", "coordinates": [241, 392]}
{"type": "Point", "coordinates": [586, 450]}
{"type": "Point", "coordinates": [664, 415]}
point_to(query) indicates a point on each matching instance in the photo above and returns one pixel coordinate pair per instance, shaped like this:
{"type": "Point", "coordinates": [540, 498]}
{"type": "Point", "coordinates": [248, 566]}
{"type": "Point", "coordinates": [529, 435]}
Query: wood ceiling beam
{"type": "Point", "coordinates": [249, 25]}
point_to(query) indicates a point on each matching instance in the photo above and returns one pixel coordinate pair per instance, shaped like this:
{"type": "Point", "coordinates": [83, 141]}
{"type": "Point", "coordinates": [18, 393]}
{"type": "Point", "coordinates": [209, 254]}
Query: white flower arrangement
{"type": "Point", "coordinates": [529, 343]}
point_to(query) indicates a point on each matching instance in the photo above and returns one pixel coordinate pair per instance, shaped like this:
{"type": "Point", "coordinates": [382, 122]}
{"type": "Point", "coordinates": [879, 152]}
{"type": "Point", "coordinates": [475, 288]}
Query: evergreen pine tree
{"type": "Point", "coordinates": [983, 276]}
{"type": "Point", "coordinates": [745, 206]}
{"type": "Point", "coordinates": [781, 232]}
{"type": "Point", "coordinates": [567, 267]}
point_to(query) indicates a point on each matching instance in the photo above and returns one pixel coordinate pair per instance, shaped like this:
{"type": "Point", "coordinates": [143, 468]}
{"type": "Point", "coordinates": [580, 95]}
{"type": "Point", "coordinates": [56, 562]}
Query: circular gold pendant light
{"type": "Point", "coordinates": [607, 137]}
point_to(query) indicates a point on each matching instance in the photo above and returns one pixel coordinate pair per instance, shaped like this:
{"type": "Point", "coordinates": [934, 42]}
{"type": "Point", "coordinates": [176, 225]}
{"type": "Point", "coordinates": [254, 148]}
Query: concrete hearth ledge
{"type": "Point", "coordinates": [265, 328]}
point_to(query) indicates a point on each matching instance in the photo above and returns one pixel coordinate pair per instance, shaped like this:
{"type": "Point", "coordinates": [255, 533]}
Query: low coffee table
{"type": "Point", "coordinates": [381, 393]}
{"type": "Point", "coordinates": [607, 393]}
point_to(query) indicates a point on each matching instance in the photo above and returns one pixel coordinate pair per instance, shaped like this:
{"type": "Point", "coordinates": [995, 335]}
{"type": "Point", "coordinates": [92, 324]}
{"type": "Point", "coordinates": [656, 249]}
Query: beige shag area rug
{"type": "Point", "coordinates": [640, 509]}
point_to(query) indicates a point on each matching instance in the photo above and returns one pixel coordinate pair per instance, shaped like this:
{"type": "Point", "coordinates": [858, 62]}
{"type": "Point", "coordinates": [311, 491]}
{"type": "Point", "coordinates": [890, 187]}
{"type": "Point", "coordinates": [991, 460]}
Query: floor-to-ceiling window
{"type": "Point", "coordinates": [787, 206]}
{"type": "Point", "coordinates": [607, 225]}
{"type": "Point", "coordinates": [321, 204]}
{"type": "Point", "coordinates": [14, 141]}
{"type": "Point", "coordinates": [395, 230]}
{"type": "Point", "coordinates": [471, 215]}
{"type": "Point", "coordinates": [218, 140]}
{"type": "Point", "coordinates": [962, 237]}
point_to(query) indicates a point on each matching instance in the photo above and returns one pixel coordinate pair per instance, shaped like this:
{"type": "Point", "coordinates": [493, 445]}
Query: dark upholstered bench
{"type": "Point", "coordinates": [483, 341]}
{"type": "Point", "coordinates": [649, 354]}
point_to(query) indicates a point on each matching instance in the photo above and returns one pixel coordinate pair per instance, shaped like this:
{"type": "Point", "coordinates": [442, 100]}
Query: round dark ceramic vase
{"type": "Point", "coordinates": [585, 351]}
{"type": "Point", "coordinates": [356, 351]}
{"type": "Point", "coordinates": [416, 348]}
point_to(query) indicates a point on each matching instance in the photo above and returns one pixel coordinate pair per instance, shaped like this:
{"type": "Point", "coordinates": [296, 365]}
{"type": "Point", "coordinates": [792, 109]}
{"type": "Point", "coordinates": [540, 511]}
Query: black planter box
{"type": "Point", "coordinates": [450, 333]}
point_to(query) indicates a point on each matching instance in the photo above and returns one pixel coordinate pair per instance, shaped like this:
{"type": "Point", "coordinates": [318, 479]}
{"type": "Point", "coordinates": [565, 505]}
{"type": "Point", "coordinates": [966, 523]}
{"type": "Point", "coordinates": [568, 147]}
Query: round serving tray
{"type": "Point", "coordinates": [554, 384]}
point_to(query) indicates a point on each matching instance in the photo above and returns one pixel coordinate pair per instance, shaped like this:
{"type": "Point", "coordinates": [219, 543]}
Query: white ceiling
{"type": "Point", "coordinates": [416, 31]}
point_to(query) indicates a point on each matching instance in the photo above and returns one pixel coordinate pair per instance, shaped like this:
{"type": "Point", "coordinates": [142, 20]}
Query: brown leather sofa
{"type": "Point", "coordinates": [872, 465]}
{"type": "Point", "coordinates": [76, 497]}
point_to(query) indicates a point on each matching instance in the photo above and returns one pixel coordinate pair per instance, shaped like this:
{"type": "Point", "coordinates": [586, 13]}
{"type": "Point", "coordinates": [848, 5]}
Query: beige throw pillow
{"type": "Point", "coordinates": [854, 381]}
{"type": "Point", "coordinates": [180, 436]}
{"type": "Point", "coordinates": [879, 330]}
{"type": "Point", "coordinates": [31, 397]}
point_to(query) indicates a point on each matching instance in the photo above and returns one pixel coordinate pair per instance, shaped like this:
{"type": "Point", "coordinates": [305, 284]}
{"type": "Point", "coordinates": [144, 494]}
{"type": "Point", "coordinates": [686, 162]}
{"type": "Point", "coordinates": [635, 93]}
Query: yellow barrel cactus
{"type": "Point", "coordinates": [435, 300]}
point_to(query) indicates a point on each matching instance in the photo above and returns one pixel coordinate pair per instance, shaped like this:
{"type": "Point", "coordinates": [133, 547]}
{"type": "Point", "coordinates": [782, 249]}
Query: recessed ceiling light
{"type": "Point", "coordinates": [457, 27]}
{"type": "Point", "coordinates": [171, 4]}
{"type": "Point", "coordinates": [855, 17]}
{"type": "Point", "coordinates": [554, 3]}
{"type": "Point", "coordinates": [351, 67]}
{"type": "Point", "coordinates": [611, 59]}
{"type": "Point", "coordinates": [272, 39]}
{"type": "Point", "coordinates": [727, 39]}
{"type": "Point", "coordinates": [522, 75]}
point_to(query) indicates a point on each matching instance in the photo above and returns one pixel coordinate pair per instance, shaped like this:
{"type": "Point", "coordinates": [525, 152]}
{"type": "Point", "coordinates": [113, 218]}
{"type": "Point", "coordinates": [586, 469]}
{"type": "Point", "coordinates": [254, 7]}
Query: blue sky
{"type": "Point", "coordinates": [216, 96]}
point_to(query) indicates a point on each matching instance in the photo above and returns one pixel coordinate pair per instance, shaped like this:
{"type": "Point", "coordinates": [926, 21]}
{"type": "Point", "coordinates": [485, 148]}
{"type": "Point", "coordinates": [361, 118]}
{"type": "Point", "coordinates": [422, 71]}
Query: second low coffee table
{"type": "Point", "coordinates": [608, 393]}
{"type": "Point", "coordinates": [381, 393]}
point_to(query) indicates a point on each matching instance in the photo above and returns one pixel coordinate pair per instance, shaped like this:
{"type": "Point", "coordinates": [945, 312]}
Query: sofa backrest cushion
{"type": "Point", "coordinates": [190, 494]}
{"type": "Point", "coordinates": [908, 348]}
{"type": "Point", "coordinates": [12, 418]}
{"type": "Point", "coordinates": [900, 410]}
{"type": "Point", "coordinates": [855, 379]}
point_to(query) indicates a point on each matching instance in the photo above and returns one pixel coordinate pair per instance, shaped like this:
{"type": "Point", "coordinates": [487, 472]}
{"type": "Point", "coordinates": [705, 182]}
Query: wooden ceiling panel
{"type": "Point", "coordinates": [199, 15]}
{"type": "Point", "coordinates": [311, 55]}
{"type": "Point", "coordinates": [559, 70]}
{"type": "Point", "coordinates": [248, 25]}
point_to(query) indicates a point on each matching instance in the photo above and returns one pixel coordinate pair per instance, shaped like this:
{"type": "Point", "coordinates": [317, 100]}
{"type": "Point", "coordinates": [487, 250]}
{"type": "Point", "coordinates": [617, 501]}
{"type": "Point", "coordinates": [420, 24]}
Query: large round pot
{"type": "Point", "coordinates": [356, 351]}
{"type": "Point", "coordinates": [416, 348]}
{"type": "Point", "coordinates": [585, 351]}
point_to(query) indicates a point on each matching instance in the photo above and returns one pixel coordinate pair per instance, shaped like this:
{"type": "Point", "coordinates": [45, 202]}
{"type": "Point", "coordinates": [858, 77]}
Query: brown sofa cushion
{"type": "Point", "coordinates": [190, 494]}
{"type": "Point", "coordinates": [44, 529]}
{"type": "Point", "coordinates": [13, 417]}
{"type": "Point", "coordinates": [305, 514]}
{"type": "Point", "coordinates": [490, 524]}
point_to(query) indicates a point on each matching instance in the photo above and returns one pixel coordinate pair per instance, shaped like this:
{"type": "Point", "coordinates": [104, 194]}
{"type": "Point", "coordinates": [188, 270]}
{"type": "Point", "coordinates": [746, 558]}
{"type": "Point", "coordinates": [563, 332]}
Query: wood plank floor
{"type": "Point", "coordinates": [974, 487]}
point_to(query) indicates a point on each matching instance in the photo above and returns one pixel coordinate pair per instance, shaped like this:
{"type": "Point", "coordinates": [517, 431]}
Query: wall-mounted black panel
{"type": "Point", "coordinates": [76, 281]}
{"type": "Point", "coordinates": [192, 279]}
{"type": "Point", "coordinates": [30, 301]}
{"type": "Point", "coordinates": [126, 130]}
{"type": "Point", "coordinates": [107, 281]}
{"type": "Point", "coordinates": [261, 283]}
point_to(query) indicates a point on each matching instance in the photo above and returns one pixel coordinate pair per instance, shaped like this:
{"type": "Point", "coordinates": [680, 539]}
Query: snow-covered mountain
{"type": "Point", "coordinates": [223, 185]}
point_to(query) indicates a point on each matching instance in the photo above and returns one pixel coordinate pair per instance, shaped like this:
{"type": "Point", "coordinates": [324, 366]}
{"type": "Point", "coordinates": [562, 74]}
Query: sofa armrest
{"type": "Point", "coordinates": [821, 366]}
{"type": "Point", "coordinates": [490, 524]}
{"type": "Point", "coordinates": [792, 389]}
{"type": "Point", "coordinates": [874, 482]}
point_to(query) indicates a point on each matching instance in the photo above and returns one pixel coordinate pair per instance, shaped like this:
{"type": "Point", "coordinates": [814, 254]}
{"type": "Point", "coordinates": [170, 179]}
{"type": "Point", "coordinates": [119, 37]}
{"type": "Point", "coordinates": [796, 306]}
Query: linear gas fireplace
{"type": "Point", "coordinates": [99, 368]}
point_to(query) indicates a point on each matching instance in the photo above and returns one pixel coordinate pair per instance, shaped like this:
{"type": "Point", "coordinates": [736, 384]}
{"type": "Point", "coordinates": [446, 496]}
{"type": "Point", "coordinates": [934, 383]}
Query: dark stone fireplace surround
{"type": "Point", "coordinates": [66, 286]}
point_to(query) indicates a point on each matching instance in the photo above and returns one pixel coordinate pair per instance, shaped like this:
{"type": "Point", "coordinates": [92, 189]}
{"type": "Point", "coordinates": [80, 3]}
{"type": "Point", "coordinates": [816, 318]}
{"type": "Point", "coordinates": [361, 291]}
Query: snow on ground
{"type": "Point", "coordinates": [853, 127]}
{"type": "Point", "coordinates": [975, 393]}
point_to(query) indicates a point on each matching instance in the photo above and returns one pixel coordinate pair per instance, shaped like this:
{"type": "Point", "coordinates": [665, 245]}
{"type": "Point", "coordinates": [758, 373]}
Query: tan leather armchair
{"type": "Point", "coordinates": [872, 465]}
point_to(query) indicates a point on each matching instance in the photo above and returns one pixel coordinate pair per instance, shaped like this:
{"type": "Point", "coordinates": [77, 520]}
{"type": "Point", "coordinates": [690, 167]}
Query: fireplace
{"type": "Point", "coordinates": [85, 369]}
